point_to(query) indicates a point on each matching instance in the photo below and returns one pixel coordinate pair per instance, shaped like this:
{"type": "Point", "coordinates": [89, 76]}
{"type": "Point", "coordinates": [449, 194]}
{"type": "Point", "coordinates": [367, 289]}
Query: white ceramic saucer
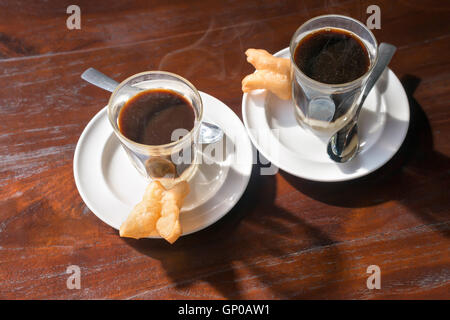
{"type": "Point", "coordinates": [110, 186]}
{"type": "Point", "coordinates": [273, 129]}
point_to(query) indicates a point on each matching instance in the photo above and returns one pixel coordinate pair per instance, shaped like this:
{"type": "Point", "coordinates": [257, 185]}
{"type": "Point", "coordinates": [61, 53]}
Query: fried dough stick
{"type": "Point", "coordinates": [277, 83]}
{"type": "Point", "coordinates": [272, 73]}
{"type": "Point", "coordinates": [263, 60]}
{"type": "Point", "coordinates": [158, 212]}
{"type": "Point", "coordinates": [141, 222]}
{"type": "Point", "coordinates": [168, 225]}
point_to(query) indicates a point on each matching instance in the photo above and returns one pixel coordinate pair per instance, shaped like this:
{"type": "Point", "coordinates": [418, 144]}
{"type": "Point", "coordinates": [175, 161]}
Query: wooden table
{"type": "Point", "coordinates": [287, 238]}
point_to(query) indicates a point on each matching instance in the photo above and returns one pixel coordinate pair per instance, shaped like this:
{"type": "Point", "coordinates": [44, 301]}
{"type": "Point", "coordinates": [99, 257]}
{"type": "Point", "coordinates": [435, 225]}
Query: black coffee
{"type": "Point", "coordinates": [151, 116]}
{"type": "Point", "coordinates": [332, 56]}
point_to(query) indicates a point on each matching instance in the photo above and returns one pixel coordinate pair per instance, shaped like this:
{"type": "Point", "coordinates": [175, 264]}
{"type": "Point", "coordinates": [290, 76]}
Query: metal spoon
{"type": "Point", "coordinates": [344, 144]}
{"type": "Point", "coordinates": [209, 133]}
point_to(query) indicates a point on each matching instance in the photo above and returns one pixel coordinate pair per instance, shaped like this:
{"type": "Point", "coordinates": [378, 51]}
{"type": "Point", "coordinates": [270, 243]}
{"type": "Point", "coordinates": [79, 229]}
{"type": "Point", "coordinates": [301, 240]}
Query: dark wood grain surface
{"type": "Point", "coordinates": [287, 238]}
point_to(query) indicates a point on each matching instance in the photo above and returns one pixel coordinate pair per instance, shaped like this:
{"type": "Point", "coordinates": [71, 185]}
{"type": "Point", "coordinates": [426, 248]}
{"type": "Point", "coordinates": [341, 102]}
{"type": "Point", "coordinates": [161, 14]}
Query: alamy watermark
{"type": "Point", "coordinates": [74, 280]}
{"type": "Point", "coordinates": [230, 146]}
{"type": "Point", "coordinates": [374, 20]}
{"type": "Point", "coordinates": [74, 20]}
{"type": "Point", "coordinates": [374, 280]}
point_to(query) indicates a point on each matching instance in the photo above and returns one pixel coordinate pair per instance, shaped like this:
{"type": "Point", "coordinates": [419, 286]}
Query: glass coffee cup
{"type": "Point", "coordinates": [325, 106]}
{"type": "Point", "coordinates": [169, 162]}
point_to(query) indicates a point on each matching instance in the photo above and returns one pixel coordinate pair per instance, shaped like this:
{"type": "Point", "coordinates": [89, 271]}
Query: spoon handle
{"type": "Point", "coordinates": [344, 144]}
{"type": "Point", "coordinates": [99, 79]}
{"type": "Point", "coordinates": [383, 60]}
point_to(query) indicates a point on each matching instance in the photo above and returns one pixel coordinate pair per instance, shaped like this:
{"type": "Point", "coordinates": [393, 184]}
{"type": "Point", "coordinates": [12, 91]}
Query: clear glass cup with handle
{"type": "Point", "coordinates": [171, 162]}
{"type": "Point", "coordinates": [321, 107]}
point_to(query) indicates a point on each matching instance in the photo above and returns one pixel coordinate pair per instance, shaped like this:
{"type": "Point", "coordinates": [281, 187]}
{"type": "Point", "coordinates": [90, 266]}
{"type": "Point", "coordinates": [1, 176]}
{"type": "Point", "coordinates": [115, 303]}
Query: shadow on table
{"type": "Point", "coordinates": [424, 166]}
{"type": "Point", "coordinates": [232, 252]}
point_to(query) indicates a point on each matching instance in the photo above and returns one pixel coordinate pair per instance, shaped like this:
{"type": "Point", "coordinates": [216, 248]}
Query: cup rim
{"type": "Point", "coordinates": [336, 85]}
{"type": "Point", "coordinates": [158, 146]}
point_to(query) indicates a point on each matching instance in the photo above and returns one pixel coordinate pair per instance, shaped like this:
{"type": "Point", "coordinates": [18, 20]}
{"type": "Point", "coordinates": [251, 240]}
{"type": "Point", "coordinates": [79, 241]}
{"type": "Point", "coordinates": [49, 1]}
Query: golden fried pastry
{"type": "Point", "coordinates": [168, 225]}
{"type": "Point", "coordinates": [141, 222]}
{"type": "Point", "coordinates": [277, 83]}
{"type": "Point", "coordinates": [272, 73]}
{"type": "Point", "coordinates": [157, 213]}
{"type": "Point", "coordinates": [263, 60]}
